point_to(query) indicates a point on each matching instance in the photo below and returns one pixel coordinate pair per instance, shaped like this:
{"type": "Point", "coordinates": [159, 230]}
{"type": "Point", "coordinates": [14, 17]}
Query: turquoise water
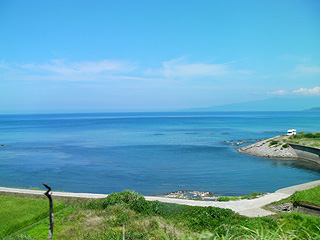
{"type": "Point", "coordinates": [151, 153]}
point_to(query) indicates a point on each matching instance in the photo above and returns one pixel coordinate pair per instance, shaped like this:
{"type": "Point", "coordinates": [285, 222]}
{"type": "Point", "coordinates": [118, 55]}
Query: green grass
{"type": "Point", "coordinates": [232, 198]}
{"type": "Point", "coordinates": [273, 143]}
{"type": "Point", "coordinates": [105, 219]}
{"type": "Point", "coordinates": [252, 195]}
{"type": "Point", "coordinates": [306, 139]}
{"type": "Point", "coordinates": [226, 198]}
{"type": "Point", "coordinates": [309, 196]}
{"type": "Point", "coordinates": [19, 212]}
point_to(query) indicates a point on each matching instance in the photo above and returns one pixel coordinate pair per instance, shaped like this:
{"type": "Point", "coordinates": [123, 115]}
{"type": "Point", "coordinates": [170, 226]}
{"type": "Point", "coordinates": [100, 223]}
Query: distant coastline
{"type": "Point", "coordinates": [270, 104]}
{"type": "Point", "coordinates": [313, 109]}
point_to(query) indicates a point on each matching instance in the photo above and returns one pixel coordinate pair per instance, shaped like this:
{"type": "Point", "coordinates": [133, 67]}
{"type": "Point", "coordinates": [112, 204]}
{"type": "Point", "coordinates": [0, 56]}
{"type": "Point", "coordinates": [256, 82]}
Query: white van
{"type": "Point", "coordinates": [291, 132]}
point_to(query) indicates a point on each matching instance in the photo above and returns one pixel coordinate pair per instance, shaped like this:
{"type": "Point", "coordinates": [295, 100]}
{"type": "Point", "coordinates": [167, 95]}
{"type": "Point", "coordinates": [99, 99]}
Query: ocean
{"type": "Point", "coordinates": [150, 153]}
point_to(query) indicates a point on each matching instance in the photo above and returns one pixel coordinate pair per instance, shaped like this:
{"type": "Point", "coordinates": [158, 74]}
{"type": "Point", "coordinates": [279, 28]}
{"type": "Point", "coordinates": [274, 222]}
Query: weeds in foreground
{"type": "Point", "coordinates": [129, 211]}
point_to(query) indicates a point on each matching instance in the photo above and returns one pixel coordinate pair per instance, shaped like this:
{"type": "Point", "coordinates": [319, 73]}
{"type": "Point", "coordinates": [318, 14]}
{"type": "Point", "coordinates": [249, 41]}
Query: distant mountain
{"type": "Point", "coordinates": [313, 109]}
{"type": "Point", "coordinates": [270, 104]}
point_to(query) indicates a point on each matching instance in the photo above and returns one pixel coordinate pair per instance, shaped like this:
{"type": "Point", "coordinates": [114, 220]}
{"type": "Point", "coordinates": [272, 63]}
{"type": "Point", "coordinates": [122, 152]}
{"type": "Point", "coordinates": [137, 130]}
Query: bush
{"type": "Point", "coordinates": [298, 136]}
{"type": "Point", "coordinates": [251, 196]}
{"type": "Point", "coordinates": [223, 199]}
{"type": "Point", "coordinates": [130, 199]}
{"type": "Point", "coordinates": [317, 135]}
{"type": "Point", "coordinates": [226, 199]}
{"type": "Point", "coordinates": [308, 135]}
{"type": "Point", "coordinates": [273, 142]}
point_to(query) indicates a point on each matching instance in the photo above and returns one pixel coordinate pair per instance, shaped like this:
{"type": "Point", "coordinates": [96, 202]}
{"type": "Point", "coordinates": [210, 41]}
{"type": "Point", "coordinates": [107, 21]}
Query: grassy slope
{"type": "Point", "coordinates": [310, 196]}
{"type": "Point", "coordinates": [306, 139]}
{"type": "Point", "coordinates": [19, 212]}
{"type": "Point", "coordinates": [104, 219]}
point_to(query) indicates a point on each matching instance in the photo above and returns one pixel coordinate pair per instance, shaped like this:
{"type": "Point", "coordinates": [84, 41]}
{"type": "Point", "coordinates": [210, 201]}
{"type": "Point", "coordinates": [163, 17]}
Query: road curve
{"type": "Point", "coordinates": [245, 207]}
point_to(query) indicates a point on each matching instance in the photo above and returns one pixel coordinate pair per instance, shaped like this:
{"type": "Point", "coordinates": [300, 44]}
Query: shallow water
{"type": "Point", "coordinates": [152, 153]}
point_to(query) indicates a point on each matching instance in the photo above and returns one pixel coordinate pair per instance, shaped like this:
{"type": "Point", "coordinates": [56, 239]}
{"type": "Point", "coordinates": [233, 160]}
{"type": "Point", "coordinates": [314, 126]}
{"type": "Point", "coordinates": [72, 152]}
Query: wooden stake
{"type": "Point", "coordinates": [123, 237]}
{"type": "Point", "coordinates": [48, 194]}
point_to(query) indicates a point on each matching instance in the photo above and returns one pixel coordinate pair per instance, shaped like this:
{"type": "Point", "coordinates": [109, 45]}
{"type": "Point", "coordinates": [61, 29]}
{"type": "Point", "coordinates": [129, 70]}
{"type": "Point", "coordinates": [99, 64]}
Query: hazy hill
{"type": "Point", "coordinates": [313, 109]}
{"type": "Point", "coordinates": [271, 104]}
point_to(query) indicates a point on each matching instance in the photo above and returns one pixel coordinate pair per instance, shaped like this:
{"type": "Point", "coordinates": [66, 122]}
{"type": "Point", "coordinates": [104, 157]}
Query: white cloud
{"type": "Point", "coordinates": [314, 70]}
{"type": "Point", "coordinates": [3, 65]}
{"type": "Point", "coordinates": [279, 92]}
{"type": "Point", "coordinates": [62, 70]}
{"type": "Point", "coordinates": [60, 66]}
{"type": "Point", "coordinates": [310, 91]}
{"type": "Point", "coordinates": [293, 58]}
{"type": "Point", "coordinates": [118, 70]}
{"type": "Point", "coordinates": [302, 91]}
{"type": "Point", "coordinates": [304, 71]}
{"type": "Point", "coordinates": [178, 68]}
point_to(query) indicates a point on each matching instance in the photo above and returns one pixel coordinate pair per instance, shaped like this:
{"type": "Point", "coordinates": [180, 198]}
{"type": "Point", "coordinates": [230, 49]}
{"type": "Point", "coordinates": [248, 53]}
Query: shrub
{"type": "Point", "coordinates": [255, 194]}
{"type": "Point", "coordinates": [130, 199]}
{"type": "Point", "coordinates": [308, 135]}
{"type": "Point", "coordinates": [223, 199]}
{"type": "Point", "coordinates": [273, 142]}
{"type": "Point", "coordinates": [317, 135]}
{"type": "Point", "coordinates": [226, 199]}
{"type": "Point", "coordinates": [251, 196]}
{"type": "Point", "coordinates": [298, 136]}
{"type": "Point", "coordinates": [121, 215]}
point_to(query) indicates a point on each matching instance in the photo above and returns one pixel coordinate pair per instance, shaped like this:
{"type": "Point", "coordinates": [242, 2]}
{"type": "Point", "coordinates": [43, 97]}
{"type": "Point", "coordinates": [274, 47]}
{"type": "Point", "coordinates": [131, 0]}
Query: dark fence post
{"type": "Point", "coordinates": [48, 194]}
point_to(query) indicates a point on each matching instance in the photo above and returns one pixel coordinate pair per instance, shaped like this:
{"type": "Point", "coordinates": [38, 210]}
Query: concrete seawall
{"type": "Point", "coordinates": [307, 153]}
{"type": "Point", "coordinates": [266, 150]}
{"type": "Point", "coordinates": [293, 151]}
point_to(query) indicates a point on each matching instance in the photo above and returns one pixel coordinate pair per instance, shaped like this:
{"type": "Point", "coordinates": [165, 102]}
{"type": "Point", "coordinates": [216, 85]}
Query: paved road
{"type": "Point", "coordinates": [245, 207]}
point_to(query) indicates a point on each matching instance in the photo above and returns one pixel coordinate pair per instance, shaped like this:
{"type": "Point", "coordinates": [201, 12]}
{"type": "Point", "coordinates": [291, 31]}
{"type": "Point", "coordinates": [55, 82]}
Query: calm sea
{"type": "Point", "coordinates": [151, 153]}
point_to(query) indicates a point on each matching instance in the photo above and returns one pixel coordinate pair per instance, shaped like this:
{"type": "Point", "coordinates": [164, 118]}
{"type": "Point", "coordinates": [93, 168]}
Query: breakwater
{"type": "Point", "coordinates": [270, 148]}
{"type": "Point", "coordinates": [276, 148]}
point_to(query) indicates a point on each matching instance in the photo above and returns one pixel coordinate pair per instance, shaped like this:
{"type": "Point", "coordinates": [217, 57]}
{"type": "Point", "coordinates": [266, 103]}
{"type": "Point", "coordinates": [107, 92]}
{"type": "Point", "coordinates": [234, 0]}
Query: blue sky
{"type": "Point", "coordinates": [101, 56]}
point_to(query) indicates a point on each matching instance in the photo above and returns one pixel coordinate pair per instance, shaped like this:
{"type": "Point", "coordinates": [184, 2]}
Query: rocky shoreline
{"type": "Point", "coordinates": [208, 196]}
{"type": "Point", "coordinates": [240, 142]}
{"type": "Point", "coordinates": [196, 195]}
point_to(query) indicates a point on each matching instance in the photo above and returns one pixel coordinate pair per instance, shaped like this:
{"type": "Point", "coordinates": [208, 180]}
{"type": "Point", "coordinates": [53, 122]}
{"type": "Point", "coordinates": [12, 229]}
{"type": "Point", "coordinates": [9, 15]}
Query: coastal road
{"type": "Point", "coordinates": [245, 207]}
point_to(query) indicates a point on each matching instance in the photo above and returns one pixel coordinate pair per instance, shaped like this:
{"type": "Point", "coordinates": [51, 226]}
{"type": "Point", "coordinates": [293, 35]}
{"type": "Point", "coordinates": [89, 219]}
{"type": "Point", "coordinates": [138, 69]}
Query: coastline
{"type": "Point", "coordinates": [154, 158]}
{"type": "Point", "coordinates": [245, 207]}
